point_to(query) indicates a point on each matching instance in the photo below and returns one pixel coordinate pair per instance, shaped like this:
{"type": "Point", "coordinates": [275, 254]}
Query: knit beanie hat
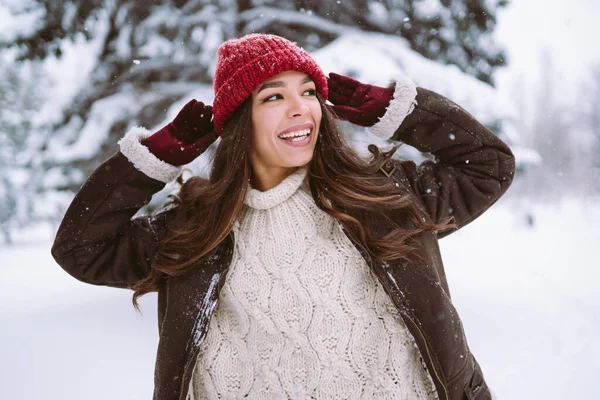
{"type": "Point", "coordinates": [246, 62]}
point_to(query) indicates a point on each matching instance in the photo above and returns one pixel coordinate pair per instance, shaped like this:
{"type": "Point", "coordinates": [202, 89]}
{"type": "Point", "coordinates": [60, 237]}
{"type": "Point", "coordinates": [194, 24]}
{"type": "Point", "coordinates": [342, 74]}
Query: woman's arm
{"type": "Point", "coordinates": [97, 241]}
{"type": "Point", "coordinates": [473, 167]}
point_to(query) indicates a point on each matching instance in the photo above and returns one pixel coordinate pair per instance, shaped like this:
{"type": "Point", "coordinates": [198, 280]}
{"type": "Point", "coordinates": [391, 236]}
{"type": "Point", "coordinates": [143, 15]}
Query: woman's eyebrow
{"type": "Point", "coordinates": [275, 84]}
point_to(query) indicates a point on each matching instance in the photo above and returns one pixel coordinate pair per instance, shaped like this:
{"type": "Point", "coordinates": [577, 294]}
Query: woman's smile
{"type": "Point", "coordinates": [297, 135]}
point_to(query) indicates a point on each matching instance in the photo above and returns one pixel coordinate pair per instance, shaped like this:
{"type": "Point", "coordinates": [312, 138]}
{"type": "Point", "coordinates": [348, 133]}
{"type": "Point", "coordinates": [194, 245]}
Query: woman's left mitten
{"type": "Point", "coordinates": [357, 102]}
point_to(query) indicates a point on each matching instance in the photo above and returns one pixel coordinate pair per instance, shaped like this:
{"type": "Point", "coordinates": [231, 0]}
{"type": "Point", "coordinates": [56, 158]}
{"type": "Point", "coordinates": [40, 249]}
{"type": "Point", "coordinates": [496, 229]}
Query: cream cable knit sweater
{"type": "Point", "coordinates": [301, 315]}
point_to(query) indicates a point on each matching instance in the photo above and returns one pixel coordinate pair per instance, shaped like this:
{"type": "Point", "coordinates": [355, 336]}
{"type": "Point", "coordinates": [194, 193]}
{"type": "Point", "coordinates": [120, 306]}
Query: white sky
{"type": "Point", "coordinates": [569, 29]}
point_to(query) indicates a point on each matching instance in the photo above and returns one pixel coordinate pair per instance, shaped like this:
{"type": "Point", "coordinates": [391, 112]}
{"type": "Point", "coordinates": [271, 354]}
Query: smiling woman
{"type": "Point", "coordinates": [298, 269]}
{"type": "Point", "coordinates": [286, 116]}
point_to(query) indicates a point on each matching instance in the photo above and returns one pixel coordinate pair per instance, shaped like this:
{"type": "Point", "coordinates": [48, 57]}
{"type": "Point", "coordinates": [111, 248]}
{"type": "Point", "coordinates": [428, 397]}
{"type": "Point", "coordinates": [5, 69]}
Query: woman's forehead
{"type": "Point", "coordinates": [282, 80]}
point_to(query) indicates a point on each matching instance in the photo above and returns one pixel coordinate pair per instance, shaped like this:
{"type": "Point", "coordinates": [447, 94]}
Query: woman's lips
{"type": "Point", "coordinates": [299, 143]}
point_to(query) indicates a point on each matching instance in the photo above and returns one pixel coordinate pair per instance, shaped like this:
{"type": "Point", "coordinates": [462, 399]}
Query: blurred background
{"type": "Point", "coordinates": [76, 75]}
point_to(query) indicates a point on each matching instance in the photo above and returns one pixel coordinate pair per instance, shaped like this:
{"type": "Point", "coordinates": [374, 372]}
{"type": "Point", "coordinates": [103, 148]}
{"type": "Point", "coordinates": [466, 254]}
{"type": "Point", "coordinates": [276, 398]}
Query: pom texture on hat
{"type": "Point", "coordinates": [246, 62]}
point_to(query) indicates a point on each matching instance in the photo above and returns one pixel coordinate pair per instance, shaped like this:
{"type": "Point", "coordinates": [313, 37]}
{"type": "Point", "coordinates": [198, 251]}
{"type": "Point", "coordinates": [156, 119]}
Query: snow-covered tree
{"type": "Point", "coordinates": [19, 99]}
{"type": "Point", "coordinates": [591, 117]}
{"type": "Point", "coordinates": [145, 59]}
{"type": "Point", "coordinates": [148, 55]}
{"type": "Point", "coordinates": [171, 44]}
{"type": "Point", "coordinates": [457, 32]}
{"type": "Point", "coordinates": [559, 131]}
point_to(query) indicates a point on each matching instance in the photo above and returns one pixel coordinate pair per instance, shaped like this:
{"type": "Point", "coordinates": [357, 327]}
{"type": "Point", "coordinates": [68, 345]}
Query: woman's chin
{"type": "Point", "coordinates": [299, 161]}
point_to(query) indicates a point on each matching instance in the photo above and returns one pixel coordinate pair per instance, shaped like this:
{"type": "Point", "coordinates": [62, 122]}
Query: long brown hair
{"type": "Point", "coordinates": [344, 185]}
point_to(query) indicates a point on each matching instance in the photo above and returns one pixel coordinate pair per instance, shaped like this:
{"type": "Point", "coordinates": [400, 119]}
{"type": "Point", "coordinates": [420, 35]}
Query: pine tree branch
{"type": "Point", "coordinates": [261, 18]}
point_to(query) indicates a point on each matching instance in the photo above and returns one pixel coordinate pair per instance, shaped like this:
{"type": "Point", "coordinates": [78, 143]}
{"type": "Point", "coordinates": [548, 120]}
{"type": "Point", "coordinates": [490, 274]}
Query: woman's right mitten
{"type": "Point", "coordinates": [187, 137]}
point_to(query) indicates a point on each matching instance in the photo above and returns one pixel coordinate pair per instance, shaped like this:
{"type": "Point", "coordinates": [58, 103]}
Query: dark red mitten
{"type": "Point", "coordinates": [356, 102]}
{"type": "Point", "coordinates": [186, 138]}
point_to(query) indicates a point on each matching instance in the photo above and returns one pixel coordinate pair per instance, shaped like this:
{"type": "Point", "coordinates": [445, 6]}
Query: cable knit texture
{"type": "Point", "coordinates": [301, 315]}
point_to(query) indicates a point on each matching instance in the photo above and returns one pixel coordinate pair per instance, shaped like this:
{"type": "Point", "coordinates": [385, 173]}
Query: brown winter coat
{"type": "Point", "coordinates": [98, 242]}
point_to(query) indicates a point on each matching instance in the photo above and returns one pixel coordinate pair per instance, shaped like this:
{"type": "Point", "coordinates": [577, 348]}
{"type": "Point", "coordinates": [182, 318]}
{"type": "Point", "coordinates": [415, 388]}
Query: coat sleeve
{"type": "Point", "coordinates": [473, 168]}
{"type": "Point", "coordinates": [97, 241]}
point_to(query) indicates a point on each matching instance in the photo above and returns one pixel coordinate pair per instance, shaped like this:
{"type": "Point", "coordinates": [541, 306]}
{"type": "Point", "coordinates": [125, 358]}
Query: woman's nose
{"type": "Point", "coordinates": [297, 107]}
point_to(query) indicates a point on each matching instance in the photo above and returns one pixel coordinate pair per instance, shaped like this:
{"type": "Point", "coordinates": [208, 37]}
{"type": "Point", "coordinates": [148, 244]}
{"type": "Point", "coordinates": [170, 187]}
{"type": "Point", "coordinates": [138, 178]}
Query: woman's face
{"type": "Point", "coordinates": [284, 105]}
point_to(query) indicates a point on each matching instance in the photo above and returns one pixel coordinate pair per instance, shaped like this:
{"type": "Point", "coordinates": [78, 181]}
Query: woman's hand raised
{"type": "Point", "coordinates": [186, 138]}
{"type": "Point", "coordinates": [356, 102]}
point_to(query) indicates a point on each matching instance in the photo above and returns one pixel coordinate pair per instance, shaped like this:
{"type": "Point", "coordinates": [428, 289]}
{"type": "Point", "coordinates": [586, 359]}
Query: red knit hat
{"type": "Point", "coordinates": [246, 62]}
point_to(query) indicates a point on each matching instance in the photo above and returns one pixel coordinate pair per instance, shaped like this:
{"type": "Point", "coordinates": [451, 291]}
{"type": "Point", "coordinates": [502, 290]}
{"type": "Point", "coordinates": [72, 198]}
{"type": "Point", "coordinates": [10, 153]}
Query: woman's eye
{"type": "Point", "coordinates": [270, 97]}
{"type": "Point", "coordinates": [312, 92]}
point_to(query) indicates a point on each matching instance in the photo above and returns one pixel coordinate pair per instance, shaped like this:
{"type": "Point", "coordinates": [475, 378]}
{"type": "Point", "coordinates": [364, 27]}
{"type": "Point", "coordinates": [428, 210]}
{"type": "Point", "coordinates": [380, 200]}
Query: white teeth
{"type": "Point", "coordinates": [299, 138]}
{"type": "Point", "coordinates": [293, 134]}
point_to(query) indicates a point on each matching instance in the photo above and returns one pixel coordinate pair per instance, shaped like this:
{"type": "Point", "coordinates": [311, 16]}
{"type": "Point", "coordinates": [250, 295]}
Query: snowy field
{"type": "Point", "coordinates": [527, 295]}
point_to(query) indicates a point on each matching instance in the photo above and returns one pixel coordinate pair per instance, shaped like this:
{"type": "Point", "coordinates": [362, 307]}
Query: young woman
{"type": "Point", "coordinates": [298, 269]}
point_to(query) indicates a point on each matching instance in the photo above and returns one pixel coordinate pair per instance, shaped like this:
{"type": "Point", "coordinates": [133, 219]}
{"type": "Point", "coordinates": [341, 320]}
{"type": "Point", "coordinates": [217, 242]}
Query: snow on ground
{"type": "Point", "coordinates": [529, 299]}
{"type": "Point", "coordinates": [527, 296]}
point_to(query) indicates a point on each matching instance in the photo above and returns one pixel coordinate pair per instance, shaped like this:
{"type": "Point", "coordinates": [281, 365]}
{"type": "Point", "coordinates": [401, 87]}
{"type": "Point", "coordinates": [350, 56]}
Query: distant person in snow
{"type": "Point", "coordinates": [298, 269]}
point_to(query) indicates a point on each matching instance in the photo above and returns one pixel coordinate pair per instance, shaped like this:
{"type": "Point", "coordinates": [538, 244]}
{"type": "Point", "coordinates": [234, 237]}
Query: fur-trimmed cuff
{"type": "Point", "coordinates": [401, 105]}
{"type": "Point", "coordinates": [143, 160]}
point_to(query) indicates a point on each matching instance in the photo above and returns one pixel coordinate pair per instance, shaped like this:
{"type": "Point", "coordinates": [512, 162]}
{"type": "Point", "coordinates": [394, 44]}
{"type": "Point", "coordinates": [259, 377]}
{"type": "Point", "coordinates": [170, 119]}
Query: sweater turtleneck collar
{"type": "Point", "coordinates": [277, 195]}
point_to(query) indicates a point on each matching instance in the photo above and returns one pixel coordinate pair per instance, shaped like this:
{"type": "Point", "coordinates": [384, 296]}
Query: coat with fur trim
{"type": "Point", "coordinates": [98, 242]}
